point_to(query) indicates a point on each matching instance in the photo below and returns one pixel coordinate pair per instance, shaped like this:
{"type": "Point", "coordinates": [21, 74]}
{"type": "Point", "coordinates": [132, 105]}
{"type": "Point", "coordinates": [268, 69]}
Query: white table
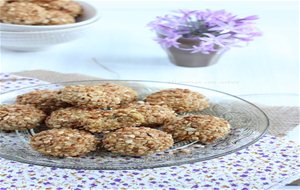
{"type": "Point", "coordinates": [123, 44]}
{"type": "Point", "coordinates": [123, 48]}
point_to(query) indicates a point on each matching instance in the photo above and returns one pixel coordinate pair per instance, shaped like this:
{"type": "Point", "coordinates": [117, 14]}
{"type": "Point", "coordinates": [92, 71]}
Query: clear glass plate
{"type": "Point", "coordinates": [249, 123]}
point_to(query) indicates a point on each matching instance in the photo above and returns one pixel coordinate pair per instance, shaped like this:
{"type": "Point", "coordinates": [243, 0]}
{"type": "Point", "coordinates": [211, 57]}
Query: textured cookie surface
{"type": "Point", "coordinates": [95, 121]}
{"type": "Point", "coordinates": [111, 120]}
{"type": "Point", "coordinates": [39, 12]}
{"type": "Point", "coordinates": [46, 100]}
{"type": "Point", "coordinates": [137, 141]}
{"type": "Point", "coordinates": [202, 128]}
{"type": "Point", "coordinates": [20, 117]}
{"type": "Point", "coordinates": [64, 142]}
{"type": "Point", "coordinates": [155, 115]}
{"type": "Point", "coordinates": [72, 8]}
{"type": "Point", "coordinates": [55, 17]}
{"type": "Point", "coordinates": [180, 100]}
{"type": "Point", "coordinates": [69, 117]}
{"type": "Point", "coordinates": [98, 96]}
{"type": "Point", "coordinates": [22, 13]}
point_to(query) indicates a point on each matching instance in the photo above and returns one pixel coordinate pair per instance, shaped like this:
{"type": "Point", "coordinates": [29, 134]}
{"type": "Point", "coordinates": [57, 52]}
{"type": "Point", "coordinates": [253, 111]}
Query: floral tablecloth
{"type": "Point", "coordinates": [269, 163]}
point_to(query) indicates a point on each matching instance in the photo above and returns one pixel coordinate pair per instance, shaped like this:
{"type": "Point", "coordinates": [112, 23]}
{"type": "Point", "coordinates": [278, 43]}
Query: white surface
{"type": "Point", "coordinates": [123, 48]}
{"type": "Point", "coordinates": [123, 44]}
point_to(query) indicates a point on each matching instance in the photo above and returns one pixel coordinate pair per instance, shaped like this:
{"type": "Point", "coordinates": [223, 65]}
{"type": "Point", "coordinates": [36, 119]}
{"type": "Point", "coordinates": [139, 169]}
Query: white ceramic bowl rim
{"type": "Point", "coordinates": [33, 28]}
{"type": "Point", "coordinates": [46, 31]}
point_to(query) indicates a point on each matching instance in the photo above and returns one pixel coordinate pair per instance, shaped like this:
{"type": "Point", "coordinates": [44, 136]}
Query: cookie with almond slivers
{"type": "Point", "coordinates": [180, 100]}
{"type": "Point", "coordinates": [20, 117]}
{"type": "Point", "coordinates": [202, 128]}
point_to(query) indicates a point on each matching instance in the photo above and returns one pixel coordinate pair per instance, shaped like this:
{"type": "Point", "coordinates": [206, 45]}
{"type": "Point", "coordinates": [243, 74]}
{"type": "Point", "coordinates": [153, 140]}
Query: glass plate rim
{"type": "Point", "coordinates": [146, 167]}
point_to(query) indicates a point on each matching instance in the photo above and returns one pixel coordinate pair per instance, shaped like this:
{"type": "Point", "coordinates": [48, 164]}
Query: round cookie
{"type": "Point", "coordinates": [20, 117]}
{"type": "Point", "coordinates": [111, 120]}
{"type": "Point", "coordinates": [202, 128]}
{"type": "Point", "coordinates": [180, 100]}
{"type": "Point", "coordinates": [64, 142]}
{"type": "Point", "coordinates": [155, 115]}
{"type": "Point", "coordinates": [95, 121]}
{"type": "Point", "coordinates": [137, 141]}
{"type": "Point", "coordinates": [126, 94]}
{"type": "Point", "coordinates": [22, 13]}
{"type": "Point", "coordinates": [68, 118]}
{"type": "Point", "coordinates": [45, 100]}
{"type": "Point", "coordinates": [58, 17]}
{"type": "Point", "coordinates": [102, 96]}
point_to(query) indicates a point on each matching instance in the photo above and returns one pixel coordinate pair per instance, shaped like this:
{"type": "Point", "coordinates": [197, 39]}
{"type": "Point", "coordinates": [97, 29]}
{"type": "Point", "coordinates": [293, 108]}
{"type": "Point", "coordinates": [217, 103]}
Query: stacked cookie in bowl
{"type": "Point", "coordinates": [28, 25]}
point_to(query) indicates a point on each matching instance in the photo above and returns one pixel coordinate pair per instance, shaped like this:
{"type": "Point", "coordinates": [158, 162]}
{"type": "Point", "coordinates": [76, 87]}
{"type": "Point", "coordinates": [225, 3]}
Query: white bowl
{"type": "Point", "coordinates": [33, 38]}
{"type": "Point", "coordinates": [38, 40]}
{"type": "Point", "coordinates": [89, 15]}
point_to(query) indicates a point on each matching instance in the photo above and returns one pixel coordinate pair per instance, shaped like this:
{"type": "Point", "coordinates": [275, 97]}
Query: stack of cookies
{"type": "Point", "coordinates": [39, 12]}
{"type": "Point", "coordinates": [82, 118]}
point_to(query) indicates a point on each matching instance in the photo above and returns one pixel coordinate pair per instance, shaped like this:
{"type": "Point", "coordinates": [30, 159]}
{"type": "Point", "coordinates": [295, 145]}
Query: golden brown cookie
{"type": "Point", "coordinates": [124, 93]}
{"type": "Point", "coordinates": [137, 141]}
{"type": "Point", "coordinates": [64, 142]}
{"type": "Point", "coordinates": [45, 100]}
{"type": "Point", "coordinates": [180, 100]}
{"type": "Point", "coordinates": [115, 119]}
{"type": "Point", "coordinates": [70, 7]}
{"type": "Point", "coordinates": [95, 121]}
{"type": "Point", "coordinates": [98, 96]}
{"type": "Point", "coordinates": [202, 128]}
{"type": "Point", "coordinates": [69, 117]}
{"type": "Point", "coordinates": [20, 117]}
{"type": "Point", "coordinates": [155, 115]}
{"type": "Point", "coordinates": [22, 13]}
{"type": "Point", "coordinates": [58, 17]}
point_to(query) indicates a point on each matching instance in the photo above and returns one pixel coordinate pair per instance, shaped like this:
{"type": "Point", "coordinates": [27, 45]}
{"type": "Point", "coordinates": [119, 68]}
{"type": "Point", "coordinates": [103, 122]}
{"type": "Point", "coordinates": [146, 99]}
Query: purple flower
{"type": "Point", "coordinates": [227, 27]}
{"type": "Point", "coordinates": [169, 41]}
{"type": "Point", "coordinates": [186, 14]}
{"type": "Point", "coordinates": [211, 30]}
{"type": "Point", "coordinates": [220, 40]}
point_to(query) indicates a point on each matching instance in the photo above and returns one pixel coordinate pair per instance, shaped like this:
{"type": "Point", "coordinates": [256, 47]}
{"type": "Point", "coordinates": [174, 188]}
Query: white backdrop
{"type": "Point", "coordinates": [123, 45]}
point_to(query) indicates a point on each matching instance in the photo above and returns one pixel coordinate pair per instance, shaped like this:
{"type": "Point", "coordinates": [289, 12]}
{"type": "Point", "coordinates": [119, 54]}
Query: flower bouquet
{"type": "Point", "coordinates": [198, 38]}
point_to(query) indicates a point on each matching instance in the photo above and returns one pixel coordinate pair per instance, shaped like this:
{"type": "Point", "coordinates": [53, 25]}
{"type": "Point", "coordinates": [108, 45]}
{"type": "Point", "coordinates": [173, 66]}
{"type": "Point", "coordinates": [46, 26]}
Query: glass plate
{"type": "Point", "coordinates": [248, 122]}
